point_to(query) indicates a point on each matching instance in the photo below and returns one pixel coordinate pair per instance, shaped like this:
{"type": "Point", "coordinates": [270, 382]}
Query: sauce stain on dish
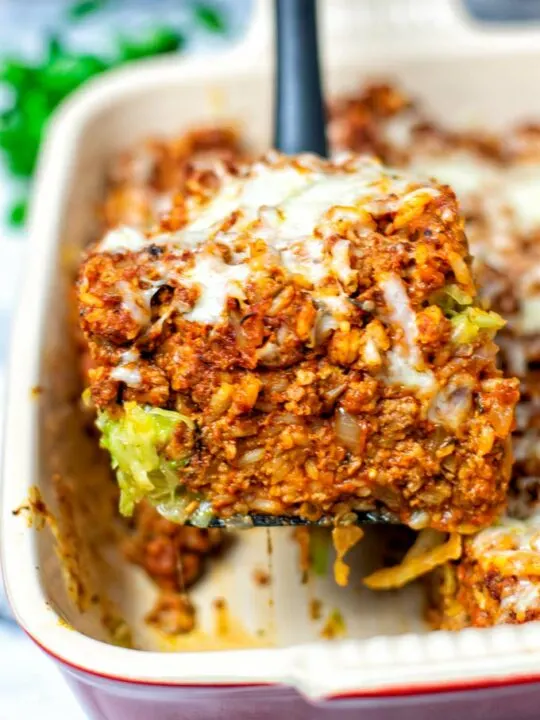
{"type": "Point", "coordinates": [315, 609]}
{"type": "Point", "coordinates": [334, 626]}
{"type": "Point", "coordinates": [228, 633]}
{"type": "Point", "coordinates": [261, 577]}
{"type": "Point", "coordinates": [271, 598]}
{"type": "Point", "coordinates": [217, 99]}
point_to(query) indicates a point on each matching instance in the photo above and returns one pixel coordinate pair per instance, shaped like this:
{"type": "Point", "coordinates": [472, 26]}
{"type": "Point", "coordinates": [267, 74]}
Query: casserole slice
{"type": "Point", "coordinates": [299, 337]}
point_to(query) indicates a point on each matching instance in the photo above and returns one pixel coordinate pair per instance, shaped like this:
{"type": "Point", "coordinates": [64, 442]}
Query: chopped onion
{"type": "Point", "coordinates": [486, 352]}
{"type": "Point", "coordinates": [275, 383]}
{"type": "Point", "coordinates": [419, 519]}
{"type": "Point", "coordinates": [280, 301]}
{"type": "Point", "coordinates": [324, 327]}
{"type": "Point", "coordinates": [266, 506]}
{"type": "Point", "coordinates": [350, 431]}
{"type": "Point", "coordinates": [288, 419]}
{"type": "Point", "coordinates": [202, 516]}
{"type": "Point", "coordinates": [501, 418]}
{"type": "Point", "coordinates": [452, 405]}
{"type": "Point", "coordinates": [268, 353]}
{"type": "Point", "coordinates": [251, 456]}
{"type": "Point", "coordinates": [239, 522]}
{"type": "Point", "coordinates": [332, 395]}
{"type": "Point", "coordinates": [241, 337]}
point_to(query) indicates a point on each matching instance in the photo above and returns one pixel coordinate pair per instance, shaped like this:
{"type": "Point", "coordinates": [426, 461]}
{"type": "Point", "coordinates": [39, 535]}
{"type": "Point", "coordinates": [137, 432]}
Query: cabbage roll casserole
{"type": "Point", "coordinates": [300, 337]}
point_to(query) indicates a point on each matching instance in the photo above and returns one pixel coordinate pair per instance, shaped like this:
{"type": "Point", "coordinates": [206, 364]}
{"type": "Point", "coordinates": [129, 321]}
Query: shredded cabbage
{"type": "Point", "coordinates": [470, 322]}
{"type": "Point", "coordinates": [426, 554]}
{"type": "Point", "coordinates": [457, 294]}
{"type": "Point", "coordinates": [451, 299]}
{"type": "Point", "coordinates": [467, 321]}
{"type": "Point", "coordinates": [136, 440]}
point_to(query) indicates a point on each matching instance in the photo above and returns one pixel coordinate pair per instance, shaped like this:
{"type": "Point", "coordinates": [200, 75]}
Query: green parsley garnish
{"type": "Point", "coordinates": [210, 17]}
{"type": "Point", "coordinates": [37, 88]}
{"type": "Point", "coordinates": [84, 7]}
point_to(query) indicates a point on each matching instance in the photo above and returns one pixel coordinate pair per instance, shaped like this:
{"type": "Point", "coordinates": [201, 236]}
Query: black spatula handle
{"type": "Point", "coordinates": [299, 108]}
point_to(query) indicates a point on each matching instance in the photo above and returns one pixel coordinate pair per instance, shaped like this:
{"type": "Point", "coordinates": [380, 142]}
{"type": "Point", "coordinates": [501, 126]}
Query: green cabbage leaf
{"type": "Point", "coordinates": [136, 440]}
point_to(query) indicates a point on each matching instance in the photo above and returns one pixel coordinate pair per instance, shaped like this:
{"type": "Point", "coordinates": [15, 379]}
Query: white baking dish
{"type": "Point", "coordinates": [465, 74]}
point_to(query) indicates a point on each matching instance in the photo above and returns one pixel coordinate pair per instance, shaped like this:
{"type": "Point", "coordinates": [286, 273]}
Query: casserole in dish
{"type": "Point", "coordinates": [389, 655]}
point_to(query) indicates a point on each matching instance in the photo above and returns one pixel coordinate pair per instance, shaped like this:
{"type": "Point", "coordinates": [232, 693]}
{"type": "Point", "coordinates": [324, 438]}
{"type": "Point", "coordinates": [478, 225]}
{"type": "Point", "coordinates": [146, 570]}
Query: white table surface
{"type": "Point", "coordinates": [30, 685]}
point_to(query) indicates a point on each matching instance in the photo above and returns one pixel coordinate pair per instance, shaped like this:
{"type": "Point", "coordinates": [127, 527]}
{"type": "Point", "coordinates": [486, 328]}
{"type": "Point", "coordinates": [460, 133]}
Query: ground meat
{"type": "Point", "coordinates": [173, 555]}
{"type": "Point", "coordinates": [173, 614]}
{"type": "Point", "coordinates": [144, 180]}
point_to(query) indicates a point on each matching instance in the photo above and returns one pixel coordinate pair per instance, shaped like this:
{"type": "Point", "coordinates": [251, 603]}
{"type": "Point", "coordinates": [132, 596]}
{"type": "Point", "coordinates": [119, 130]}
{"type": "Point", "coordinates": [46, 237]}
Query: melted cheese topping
{"type": "Point", "coordinates": [289, 208]}
{"type": "Point", "coordinates": [508, 536]}
{"type": "Point", "coordinates": [296, 207]}
{"type": "Point", "coordinates": [466, 173]}
{"type": "Point", "coordinates": [522, 193]}
{"type": "Point", "coordinates": [512, 548]}
{"type": "Point", "coordinates": [126, 371]}
{"type": "Point", "coordinates": [134, 303]}
{"type": "Point", "coordinates": [404, 360]}
{"type": "Point", "coordinates": [529, 321]}
{"type": "Point", "coordinates": [300, 195]}
{"type": "Point", "coordinates": [215, 280]}
{"type": "Point", "coordinates": [129, 376]}
{"type": "Point", "coordinates": [524, 596]}
{"type": "Point", "coordinates": [123, 239]}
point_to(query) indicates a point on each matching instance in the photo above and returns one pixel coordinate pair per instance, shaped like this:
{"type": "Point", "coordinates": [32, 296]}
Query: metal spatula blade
{"type": "Point", "coordinates": [364, 517]}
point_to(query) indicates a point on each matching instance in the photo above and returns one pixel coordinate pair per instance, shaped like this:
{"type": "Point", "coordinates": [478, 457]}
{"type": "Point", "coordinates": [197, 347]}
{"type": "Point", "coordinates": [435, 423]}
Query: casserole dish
{"type": "Point", "coordinates": [389, 665]}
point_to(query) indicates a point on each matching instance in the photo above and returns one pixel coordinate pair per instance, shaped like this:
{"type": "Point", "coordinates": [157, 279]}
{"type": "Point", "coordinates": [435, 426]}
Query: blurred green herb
{"type": "Point", "coordinates": [17, 213]}
{"type": "Point", "coordinates": [157, 42]}
{"type": "Point", "coordinates": [210, 17]}
{"type": "Point", "coordinates": [84, 7]}
{"type": "Point", "coordinates": [38, 88]}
